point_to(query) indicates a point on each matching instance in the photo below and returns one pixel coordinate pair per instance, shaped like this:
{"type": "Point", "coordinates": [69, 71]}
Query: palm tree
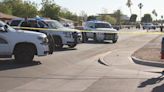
{"type": "Point", "coordinates": [129, 4]}
{"type": "Point", "coordinates": [155, 13]}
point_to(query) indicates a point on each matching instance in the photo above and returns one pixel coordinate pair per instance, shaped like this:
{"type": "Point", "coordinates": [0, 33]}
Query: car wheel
{"type": "Point", "coordinates": [57, 42]}
{"type": "Point", "coordinates": [84, 37]}
{"type": "Point", "coordinates": [114, 41]}
{"type": "Point", "coordinates": [51, 44]}
{"type": "Point", "coordinates": [24, 53]}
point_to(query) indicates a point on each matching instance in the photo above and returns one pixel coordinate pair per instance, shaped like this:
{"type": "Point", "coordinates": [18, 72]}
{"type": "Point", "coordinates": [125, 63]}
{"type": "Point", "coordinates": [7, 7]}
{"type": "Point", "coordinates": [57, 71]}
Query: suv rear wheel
{"type": "Point", "coordinates": [57, 42]}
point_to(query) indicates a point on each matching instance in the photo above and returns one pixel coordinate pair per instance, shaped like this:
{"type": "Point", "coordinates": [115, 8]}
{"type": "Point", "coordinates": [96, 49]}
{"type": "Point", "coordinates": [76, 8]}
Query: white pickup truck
{"type": "Point", "coordinates": [22, 44]}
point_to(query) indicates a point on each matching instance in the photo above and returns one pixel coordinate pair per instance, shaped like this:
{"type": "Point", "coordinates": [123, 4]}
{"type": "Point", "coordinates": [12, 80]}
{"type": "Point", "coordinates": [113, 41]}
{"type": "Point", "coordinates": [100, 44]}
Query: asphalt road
{"type": "Point", "coordinates": [78, 70]}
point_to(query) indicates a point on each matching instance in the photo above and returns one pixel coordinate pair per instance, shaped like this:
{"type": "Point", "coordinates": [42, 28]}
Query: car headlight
{"type": "Point", "coordinates": [44, 40]}
{"type": "Point", "coordinates": [67, 34]}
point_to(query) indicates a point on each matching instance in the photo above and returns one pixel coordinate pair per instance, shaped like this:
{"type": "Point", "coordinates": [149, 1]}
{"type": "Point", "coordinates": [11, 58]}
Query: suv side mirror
{"type": "Point", "coordinates": [2, 29]}
{"type": "Point", "coordinates": [5, 26]}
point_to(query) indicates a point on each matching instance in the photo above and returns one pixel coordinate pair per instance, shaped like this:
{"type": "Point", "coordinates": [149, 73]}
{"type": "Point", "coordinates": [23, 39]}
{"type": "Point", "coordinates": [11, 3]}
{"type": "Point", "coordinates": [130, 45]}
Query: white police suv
{"type": "Point", "coordinates": [62, 35]}
{"type": "Point", "coordinates": [99, 31]}
{"type": "Point", "coordinates": [22, 44]}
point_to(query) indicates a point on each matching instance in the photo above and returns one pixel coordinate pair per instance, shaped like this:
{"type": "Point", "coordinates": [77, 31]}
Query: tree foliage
{"type": "Point", "coordinates": [24, 8]}
{"type": "Point", "coordinates": [5, 9]}
{"type": "Point", "coordinates": [90, 18]}
{"type": "Point", "coordinates": [154, 13]}
{"type": "Point", "coordinates": [50, 9]}
{"type": "Point", "coordinates": [18, 8]}
{"type": "Point", "coordinates": [147, 18]}
{"type": "Point", "coordinates": [133, 18]}
{"type": "Point", "coordinates": [129, 4]}
{"type": "Point", "coordinates": [107, 18]}
{"type": "Point", "coordinates": [117, 15]}
{"type": "Point", "coordinates": [65, 13]}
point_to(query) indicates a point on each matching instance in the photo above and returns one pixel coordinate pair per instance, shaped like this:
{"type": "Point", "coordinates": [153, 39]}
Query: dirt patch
{"type": "Point", "coordinates": [151, 51]}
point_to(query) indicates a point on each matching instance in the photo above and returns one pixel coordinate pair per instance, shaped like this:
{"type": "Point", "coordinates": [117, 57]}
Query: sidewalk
{"type": "Point", "coordinates": [148, 55]}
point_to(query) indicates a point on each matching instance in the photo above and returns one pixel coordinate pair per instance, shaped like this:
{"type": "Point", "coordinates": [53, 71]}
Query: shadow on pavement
{"type": "Point", "coordinates": [10, 64]}
{"type": "Point", "coordinates": [65, 49]}
{"type": "Point", "coordinates": [93, 42]}
{"type": "Point", "coordinates": [102, 63]}
{"type": "Point", "coordinates": [158, 88]}
{"type": "Point", "coordinates": [151, 81]}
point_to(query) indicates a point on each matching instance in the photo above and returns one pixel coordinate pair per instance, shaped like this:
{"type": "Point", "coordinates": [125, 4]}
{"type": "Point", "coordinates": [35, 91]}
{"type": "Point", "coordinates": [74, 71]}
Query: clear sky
{"type": "Point", "coordinates": [93, 7]}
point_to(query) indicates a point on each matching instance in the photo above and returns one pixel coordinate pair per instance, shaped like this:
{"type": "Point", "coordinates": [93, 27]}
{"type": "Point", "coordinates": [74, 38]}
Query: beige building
{"type": "Point", "coordinates": [6, 17]}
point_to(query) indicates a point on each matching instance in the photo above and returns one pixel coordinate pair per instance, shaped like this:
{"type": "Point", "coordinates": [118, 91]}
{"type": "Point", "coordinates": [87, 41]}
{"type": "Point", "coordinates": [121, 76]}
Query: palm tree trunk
{"type": "Point", "coordinates": [130, 10]}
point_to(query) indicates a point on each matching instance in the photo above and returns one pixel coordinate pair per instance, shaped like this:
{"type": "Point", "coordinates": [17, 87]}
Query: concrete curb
{"type": "Point", "coordinates": [102, 61]}
{"type": "Point", "coordinates": [136, 61]}
{"type": "Point", "coordinates": [147, 62]}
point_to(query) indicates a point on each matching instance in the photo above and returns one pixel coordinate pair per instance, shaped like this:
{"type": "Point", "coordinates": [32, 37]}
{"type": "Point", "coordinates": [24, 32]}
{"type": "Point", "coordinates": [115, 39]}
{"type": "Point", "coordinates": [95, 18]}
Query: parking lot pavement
{"type": "Point", "coordinates": [78, 70]}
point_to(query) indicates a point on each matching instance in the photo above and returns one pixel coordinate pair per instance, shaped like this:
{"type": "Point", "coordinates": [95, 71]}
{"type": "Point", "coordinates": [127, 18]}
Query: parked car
{"type": "Point", "coordinates": [22, 44]}
{"type": "Point", "coordinates": [148, 26]}
{"type": "Point", "coordinates": [99, 31]}
{"type": "Point", "coordinates": [61, 35]}
{"type": "Point", "coordinates": [117, 27]}
{"type": "Point", "coordinates": [157, 25]}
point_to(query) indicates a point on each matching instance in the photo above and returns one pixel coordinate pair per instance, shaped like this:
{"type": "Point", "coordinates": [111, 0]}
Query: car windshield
{"type": "Point", "coordinates": [102, 25]}
{"type": "Point", "coordinates": [15, 22]}
{"type": "Point", "coordinates": [53, 24]}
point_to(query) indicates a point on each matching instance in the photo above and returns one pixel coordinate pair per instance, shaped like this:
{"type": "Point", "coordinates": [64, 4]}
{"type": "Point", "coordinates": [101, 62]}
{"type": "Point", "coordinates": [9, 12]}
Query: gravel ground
{"type": "Point", "coordinates": [150, 51]}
